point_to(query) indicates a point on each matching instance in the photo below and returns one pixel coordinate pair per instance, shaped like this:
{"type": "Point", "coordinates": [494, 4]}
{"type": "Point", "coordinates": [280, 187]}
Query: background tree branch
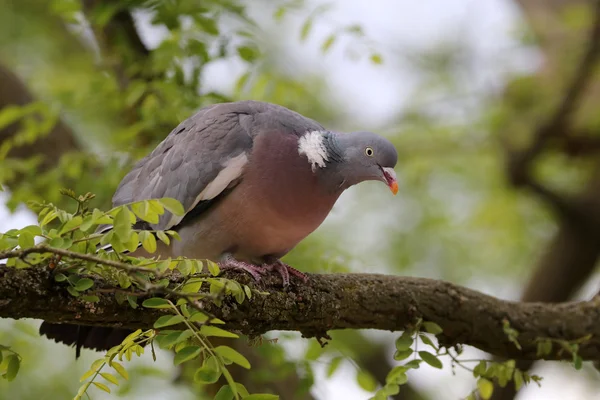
{"type": "Point", "coordinates": [572, 254]}
{"type": "Point", "coordinates": [340, 301]}
{"type": "Point", "coordinates": [60, 140]}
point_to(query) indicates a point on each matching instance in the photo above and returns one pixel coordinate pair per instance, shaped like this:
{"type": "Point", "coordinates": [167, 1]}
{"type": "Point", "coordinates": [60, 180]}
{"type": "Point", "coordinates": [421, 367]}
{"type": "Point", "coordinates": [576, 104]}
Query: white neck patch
{"type": "Point", "coordinates": [312, 145]}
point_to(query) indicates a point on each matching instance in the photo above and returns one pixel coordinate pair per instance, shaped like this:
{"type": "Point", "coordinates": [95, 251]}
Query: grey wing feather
{"type": "Point", "coordinates": [186, 162]}
{"type": "Point", "coordinates": [190, 158]}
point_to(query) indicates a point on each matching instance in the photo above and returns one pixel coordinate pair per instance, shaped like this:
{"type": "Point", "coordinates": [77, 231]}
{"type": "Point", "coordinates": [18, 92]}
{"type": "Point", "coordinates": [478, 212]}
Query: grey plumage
{"type": "Point", "coordinates": [193, 154]}
{"type": "Point", "coordinates": [254, 179]}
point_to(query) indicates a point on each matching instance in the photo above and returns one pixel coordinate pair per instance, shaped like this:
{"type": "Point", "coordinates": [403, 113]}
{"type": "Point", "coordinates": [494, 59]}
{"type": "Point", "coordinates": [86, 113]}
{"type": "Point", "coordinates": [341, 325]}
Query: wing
{"type": "Point", "coordinates": [198, 160]}
{"type": "Point", "coordinates": [204, 157]}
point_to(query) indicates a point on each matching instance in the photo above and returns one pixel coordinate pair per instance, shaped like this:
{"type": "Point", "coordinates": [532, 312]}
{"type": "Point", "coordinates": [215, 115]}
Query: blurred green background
{"type": "Point", "coordinates": [456, 85]}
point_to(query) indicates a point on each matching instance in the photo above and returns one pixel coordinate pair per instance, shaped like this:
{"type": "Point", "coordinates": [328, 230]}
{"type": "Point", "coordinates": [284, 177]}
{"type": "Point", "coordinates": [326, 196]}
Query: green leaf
{"type": "Point", "coordinates": [192, 287]}
{"type": "Point", "coordinates": [185, 267]}
{"type": "Point", "coordinates": [162, 266]}
{"type": "Point", "coordinates": [544, 347]}
{"type": "Point", "coordinates": [156, 302]}
{"type": "Point", "coordinates": [225, 393]}
{"type": "Point", "coordinates": [124, 280]}
{"type": "Point", "coordinates": [110, 377]}
{"type": "Point", "coordinates": [174, 338]}
{"type": "Point", "coordinates": [577, 361]}
{"type": "Point", "coordinates": [186, 354]}
{"type": "Point", "coordinates": [366, 381]}
{"type": "Point", "coordinates": [248, 53]}
{"type": "Point", "coordinates": [35, 230]}
{"type": "Point", "coordinates": [404, 343]}
{"type": "Point", "coordinates": [173, 205]}
{"type": "Point", "coordinates": [209, 372]}
{"type": "Point", "coordinates": [199, 317]}
{"type": "Point", "coordinates": [425, 339]}
{"type": "Point", "coordinates": [432, 327]}
{"type": "Point", "coordinates": [518, 379]}
{"type": "Point", "coordinates": [208, 25]}
{"type": "Point", "coordinates": [397, 376]}
{"type": "Point", "coordinates": [11, 114]}
{"type": "Point", "coordinates": [262, 396]}
{"type": "Point", "coordinates": [87, 374]}
{"type": "Point", "coordinates": [72, 291]}
{"type": "Point", "coordinates": [133, 242]}
{"type": "Point", "coordinates": [333, 366]}
{"type": "Point", "coordinates": [163, 237]}
{"type": "Point", "coordinates": [71, 224]}
{"type": "Point", "coordinates": [208, 330]}
{"type": "Point", "coordinates": [87, 223]}
{"type": "Point", "coordinates": [376, 59]}
{"type": "Point", "coordinates": [485, 388]}
{"type": "Point", "coordinates": [84, 284]}
{"type": "Point", "coordinates": [174, 235]}
{"type": "Point", "coordinates": [120, 369]}
{"type": "Point", "coordinates": [413, 364]}
{"type": "Point", "coordinates": [305, 30]}
{"type": "Point", "coordinates": [400, 355]}
{"type": "Point", "coordinates": [431, 359]}
{"type": "Point", "coordinates": [91, 299]}
{"type": "Point", "coordinates": [141, 209]}
{"type": "Point", "coordinates": [57, 242]}
{"type": "Point", "coordinates": [328, 43]}
{"type": "Point", "coordinates": [102, 386]}
{"type": "Point", "coordinates": [233, 355]}
{"type": "Point", "coordinates": [148, 241]}
{"type": "Point", "coordinates": [60, 277]}
{"type": "Point", "coordinates": [26, 240]}
{"type": "Point", "coordinates": [13, 364]}
{"type": "Point", "coordinates": [213, 268]}
{"type": "Point", "coordinates": [480, 369]}
{"type": "Point", "coordinates": [168, 320]}
{"type": "Point", "coordinates": [390, 389]}
{"type": "Point", "coordinates": [248, 292]}
{"type": "Point", "coordinates": [122, 225]}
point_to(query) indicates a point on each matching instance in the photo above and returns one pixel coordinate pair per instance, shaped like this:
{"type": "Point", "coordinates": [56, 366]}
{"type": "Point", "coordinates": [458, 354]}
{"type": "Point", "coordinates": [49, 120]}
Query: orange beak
{"type": "Point", "coordinates": [390, 178]}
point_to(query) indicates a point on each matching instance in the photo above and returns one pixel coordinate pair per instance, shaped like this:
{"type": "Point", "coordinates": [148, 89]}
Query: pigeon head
{"type": "Point", "coordinates": [346, 159]}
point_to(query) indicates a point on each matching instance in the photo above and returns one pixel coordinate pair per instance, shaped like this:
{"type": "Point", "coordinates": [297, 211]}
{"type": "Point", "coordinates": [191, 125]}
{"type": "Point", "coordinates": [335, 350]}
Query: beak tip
{"type": "Point", "coordinates": [394, 187]}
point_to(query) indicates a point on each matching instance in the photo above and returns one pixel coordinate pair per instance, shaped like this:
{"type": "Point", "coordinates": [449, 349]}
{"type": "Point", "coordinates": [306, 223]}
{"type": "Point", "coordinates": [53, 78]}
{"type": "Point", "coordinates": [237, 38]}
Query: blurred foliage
{"type": "Point", "coordinates": [122, 90]}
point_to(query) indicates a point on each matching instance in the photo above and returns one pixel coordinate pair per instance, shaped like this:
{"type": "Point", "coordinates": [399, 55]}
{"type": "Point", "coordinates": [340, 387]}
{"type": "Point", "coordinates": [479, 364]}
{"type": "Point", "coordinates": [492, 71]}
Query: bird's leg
{"type": "Point", "coordinates": [275, 264]}
{"type": "Point", "coordinates": [229, 262]}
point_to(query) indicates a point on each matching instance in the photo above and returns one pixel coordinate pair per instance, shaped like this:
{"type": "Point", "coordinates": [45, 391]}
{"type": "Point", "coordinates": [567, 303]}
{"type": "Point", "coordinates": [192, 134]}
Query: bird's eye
{"type": "Point", "coordinates": [369, 151]}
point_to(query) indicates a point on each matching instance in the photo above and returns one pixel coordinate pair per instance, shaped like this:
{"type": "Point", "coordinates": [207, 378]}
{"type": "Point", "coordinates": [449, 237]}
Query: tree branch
{"type": "Point", "coordinates": [519, 162]}
{"type": "Point", "coordinates": [341, 301]}
{"type": "Point", "coordinates": [59, 141]}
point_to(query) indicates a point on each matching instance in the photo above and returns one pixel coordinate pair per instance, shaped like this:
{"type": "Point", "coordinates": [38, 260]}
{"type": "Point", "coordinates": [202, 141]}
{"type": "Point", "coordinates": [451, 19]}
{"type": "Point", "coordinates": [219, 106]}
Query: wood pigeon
{"type": "Point", "coordinates": [255, 179]}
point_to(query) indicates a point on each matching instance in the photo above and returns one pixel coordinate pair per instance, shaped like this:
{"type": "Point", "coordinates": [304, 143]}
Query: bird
{"type": "Point", "coordinates": [255, 179]}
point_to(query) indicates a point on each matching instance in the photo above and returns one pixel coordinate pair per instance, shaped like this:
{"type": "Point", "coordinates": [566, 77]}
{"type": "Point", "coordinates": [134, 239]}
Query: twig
{"type": "Point", "coordinates": [42, 248]}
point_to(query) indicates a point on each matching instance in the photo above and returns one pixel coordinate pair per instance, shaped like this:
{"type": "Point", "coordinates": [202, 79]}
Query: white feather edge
{"type": "Point", "coordinates": [232, 169]}
{"type": "Point", "coordinates": [311, 144]}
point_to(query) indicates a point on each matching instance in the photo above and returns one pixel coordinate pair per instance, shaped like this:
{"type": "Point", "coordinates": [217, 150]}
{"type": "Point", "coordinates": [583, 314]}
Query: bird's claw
{"type": "Point", "coordinates": [285, 271]}
{"type": "Point", "coordinates": [271, 264]}
{"type": "Point", "coordinates": [232, 263]}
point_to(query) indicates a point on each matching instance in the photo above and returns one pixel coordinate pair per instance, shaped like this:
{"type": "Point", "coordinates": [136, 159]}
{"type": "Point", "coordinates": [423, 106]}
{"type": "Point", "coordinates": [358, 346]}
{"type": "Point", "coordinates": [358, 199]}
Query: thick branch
{"type": "Point", "coordinates": [343, 301]}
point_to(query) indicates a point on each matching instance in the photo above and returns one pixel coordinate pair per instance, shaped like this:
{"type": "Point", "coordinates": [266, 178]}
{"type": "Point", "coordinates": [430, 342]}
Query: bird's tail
{"type": "Point", "coordinates": [89, 337]}
{"type": "Point", "coordinates": [82, 336]}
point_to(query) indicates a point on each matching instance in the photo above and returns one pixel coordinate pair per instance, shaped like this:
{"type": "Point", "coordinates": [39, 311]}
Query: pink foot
{"type": "Point", "coordinates": [228, 262]}
{"type": "Point", "coordinates": [284, 270]}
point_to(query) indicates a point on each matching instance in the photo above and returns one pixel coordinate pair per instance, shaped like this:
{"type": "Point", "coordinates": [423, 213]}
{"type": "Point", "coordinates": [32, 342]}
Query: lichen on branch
{"type": "Point", "coordinates": [334, 301]}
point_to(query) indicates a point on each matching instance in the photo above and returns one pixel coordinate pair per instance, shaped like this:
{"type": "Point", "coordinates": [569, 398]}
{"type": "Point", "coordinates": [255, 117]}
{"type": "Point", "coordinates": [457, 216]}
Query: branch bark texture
{"type": "Point", "coordinates": [327, 302]}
